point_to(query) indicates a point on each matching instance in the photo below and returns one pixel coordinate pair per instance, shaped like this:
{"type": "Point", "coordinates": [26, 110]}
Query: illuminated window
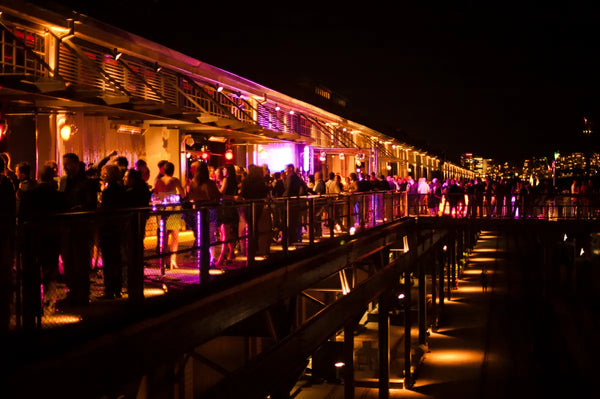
{"type": "Point", "coordinates": [323, 93]}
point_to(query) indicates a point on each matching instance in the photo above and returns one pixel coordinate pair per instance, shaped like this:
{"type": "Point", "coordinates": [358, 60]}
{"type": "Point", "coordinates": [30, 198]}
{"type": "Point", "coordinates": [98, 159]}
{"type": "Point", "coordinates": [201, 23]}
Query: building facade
{"type": "Point", "coordinates": [70, 83]}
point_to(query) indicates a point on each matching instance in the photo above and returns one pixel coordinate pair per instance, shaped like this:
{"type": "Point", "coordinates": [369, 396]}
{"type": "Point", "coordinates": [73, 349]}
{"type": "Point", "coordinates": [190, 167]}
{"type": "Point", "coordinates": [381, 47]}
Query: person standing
{"type": "Point", "coordinates": [258, 223]}
{"type": "Point", "coordinates": [112, 199]}
{"type": "Point", "coordinates": [166, 189]}
{"type": "Point", "coordinates": [80, 194]}
{"type": "Point", "coordinates": [294, 187]}
{"type": "Point", "coordinates": [204, 191]}
{"type": "Point", "coordinates": [228, 217]}
{"type": "Point", "coordinates": [484, 281]}
{"type": "Point", "coordinates": [7, 239]}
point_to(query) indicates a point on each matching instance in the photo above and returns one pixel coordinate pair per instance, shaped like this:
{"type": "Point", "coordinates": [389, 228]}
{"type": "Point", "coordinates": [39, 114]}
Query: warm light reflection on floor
{"type": "Point", "coordinates": [478, 259]}
{"type": "Point", "coordinates": [151, 292]}
{"type": "Point", "coordinates": [456, 356]}
{"type": "Point", "coordinates": [216, 272]}
{"type": "Point", "coordinates": [477, 271]}
{"type": "Point", "coordinates": [470, 289]}
{"type": "Point", "coordinates": [486, 250]}
{"type": "Point", "coordinates": [58, 319]}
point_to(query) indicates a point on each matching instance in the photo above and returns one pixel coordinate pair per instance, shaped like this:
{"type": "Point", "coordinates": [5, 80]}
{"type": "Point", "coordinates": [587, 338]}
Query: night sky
{"type": "Point", "coordinates": [507, 83]}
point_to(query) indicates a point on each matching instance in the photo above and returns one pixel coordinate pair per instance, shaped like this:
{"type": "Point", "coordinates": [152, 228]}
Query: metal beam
{"type": "Point", "coordinates": [256, 378]}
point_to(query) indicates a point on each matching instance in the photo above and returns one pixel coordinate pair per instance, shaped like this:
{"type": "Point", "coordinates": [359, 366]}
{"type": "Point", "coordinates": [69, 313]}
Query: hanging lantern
{"type": "Point", "coordinates": [229, 155]}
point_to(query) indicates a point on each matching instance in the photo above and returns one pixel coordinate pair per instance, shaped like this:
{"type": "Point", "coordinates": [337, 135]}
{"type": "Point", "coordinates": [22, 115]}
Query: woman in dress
{"type": "Point", "coordinates": [167, 189]}
{"type": "Point", "coordinates": [228, 217]}
{"type": "Point", "coordinates": [204, 190]}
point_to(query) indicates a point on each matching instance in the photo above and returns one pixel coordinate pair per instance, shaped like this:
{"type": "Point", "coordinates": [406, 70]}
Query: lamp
{"type": "Point", "coordinates": [277, 108]}
{"type": "Point", "coordinates": [117, 54]}
{"type": "Point", "coordinates": [65, 129]}
{"type": "Point", "coordinates": [3, 128]}
{"type": "Point", "coordinates": [219, 88]}
{"type": "Point", "coordinates": [342, 156]}
{"type": "Point", "coordinates": [157, 68]}
{"type": "Point", "coordinates": [229, 155]}
{"type": "Point", "coordinates": [323, 157]}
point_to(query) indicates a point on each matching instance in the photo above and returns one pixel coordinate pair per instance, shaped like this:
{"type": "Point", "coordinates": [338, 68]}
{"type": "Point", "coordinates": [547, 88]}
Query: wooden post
{"type": "Point", "coordinates": [384, 348]}
{"type": "Point", "coordinates": [407, 328]}
{"type": "Point", "coordinates": [348, 370]}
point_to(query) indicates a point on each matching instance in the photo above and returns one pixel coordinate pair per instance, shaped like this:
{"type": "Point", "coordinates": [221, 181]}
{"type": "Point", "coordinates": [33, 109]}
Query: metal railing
{"type": "Point", "coordinates": [61, 264]}
{"type": "Point", "coordinates": [64, 262]}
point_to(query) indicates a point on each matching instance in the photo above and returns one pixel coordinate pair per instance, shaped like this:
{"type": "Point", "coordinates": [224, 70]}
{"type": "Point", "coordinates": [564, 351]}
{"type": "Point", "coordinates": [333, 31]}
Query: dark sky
{"type": "Point", "coordinates": [505, 82]}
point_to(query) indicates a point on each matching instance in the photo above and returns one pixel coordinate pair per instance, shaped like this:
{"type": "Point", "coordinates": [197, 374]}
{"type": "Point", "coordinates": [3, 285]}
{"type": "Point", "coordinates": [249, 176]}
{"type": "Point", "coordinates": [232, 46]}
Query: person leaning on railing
{"type": "Point", "coordinates": [7, 238]}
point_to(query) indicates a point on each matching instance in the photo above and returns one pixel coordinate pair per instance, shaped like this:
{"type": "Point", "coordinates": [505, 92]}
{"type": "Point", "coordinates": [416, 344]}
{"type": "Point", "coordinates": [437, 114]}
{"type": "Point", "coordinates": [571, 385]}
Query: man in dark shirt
{"type": "Point", "coordinates": [80, 194]}
{"type": "Point", "coordinates": [294, 187]}
{"type": "Point", "coordinates": [7, 237]}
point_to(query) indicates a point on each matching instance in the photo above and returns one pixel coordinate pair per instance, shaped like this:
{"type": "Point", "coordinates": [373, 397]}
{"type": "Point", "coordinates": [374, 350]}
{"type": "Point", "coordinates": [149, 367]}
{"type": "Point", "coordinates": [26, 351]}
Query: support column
{"type": "Point", "coordinates": [453, 261]}
{"type": "Point", "coordinates": [348, 370]}
{"type": "Point", "coordinates": [422, 305]}
{"type": "Point", "coordinates": [434, 291]}
{"type": "Point", "coordinates": [442, 265]}
{"type": "Point", "coordinates": [447, 262]}
{"type": "Point", "coordinates": [407, 328]}
{"type": "Point", "coordinates": [383, 326]}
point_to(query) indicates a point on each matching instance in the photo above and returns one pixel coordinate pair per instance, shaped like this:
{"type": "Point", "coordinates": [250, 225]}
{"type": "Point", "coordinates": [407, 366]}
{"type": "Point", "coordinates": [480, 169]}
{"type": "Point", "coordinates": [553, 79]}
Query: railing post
{"type": "Point", "coordinates": [349, 210]}
{"type": "Point", "coordinates": [332, 216]}
{"type": "Point", "coordinates": [204, 244]}
{"type": "Point", "coordinates": [135, 269]}
{"type": "Point", "coordinates": [252, 234]}
{"type": "Point", "coordinates": [162, 240]}
{"type": "Point", "coordinates": [383, 326]}
{"type": "Point", "coordinates": [311, 220]}
{"type": "Point", "coordinates": [285, 233]}
{"type": "Point", "coordinates": [407, 330]}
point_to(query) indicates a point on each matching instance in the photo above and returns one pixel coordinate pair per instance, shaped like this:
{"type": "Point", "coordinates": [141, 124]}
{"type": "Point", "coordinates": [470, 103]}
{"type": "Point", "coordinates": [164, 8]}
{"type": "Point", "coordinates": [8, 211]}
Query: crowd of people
{"type": "Point", "coordinates": [111, 184]}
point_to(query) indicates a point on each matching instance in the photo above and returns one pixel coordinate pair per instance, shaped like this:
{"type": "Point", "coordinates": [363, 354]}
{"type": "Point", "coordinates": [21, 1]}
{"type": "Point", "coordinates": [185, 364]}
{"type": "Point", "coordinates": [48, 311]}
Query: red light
{"type": "Point", "coordinates": [3, 128]}
{"type": "Point", "coordinates": [469, 154]}
{"type": "Point", "coordinates": [229, 155]}
{"type": "Point", "coordinates": [204, 155]}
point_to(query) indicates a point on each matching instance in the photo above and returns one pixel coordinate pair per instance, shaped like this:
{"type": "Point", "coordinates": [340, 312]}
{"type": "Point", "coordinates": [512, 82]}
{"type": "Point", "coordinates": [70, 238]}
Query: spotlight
{"type": "Point", "coordinates": [65, 132]}
{"type": "Point", "coordinates": [219, 89]}
{"type": "Point", "coordinates": [3, 128]}
{"type": "Point", "coordinates": [117, 54]}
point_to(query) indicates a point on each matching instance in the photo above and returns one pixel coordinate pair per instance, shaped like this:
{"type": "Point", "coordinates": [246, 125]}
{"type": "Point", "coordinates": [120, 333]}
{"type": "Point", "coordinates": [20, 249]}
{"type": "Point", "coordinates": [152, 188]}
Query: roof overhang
{"type": "Point", "coordinates": [23, 94]}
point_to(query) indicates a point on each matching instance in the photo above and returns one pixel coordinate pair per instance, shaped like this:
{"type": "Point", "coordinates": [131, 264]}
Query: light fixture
{"type": "Point", "coordinates": [65, 132]}
{"type": "Point", "coordinates": [219, 89]}
{"type": "Point", "coordinates": [323, 157]}
{"type": "Point", "coordinates": [117, 54]}
{"type": "Point", "coordinates": [129, 129]}
{"type": "Point", "coordinates": [292, 112]}
{"type": "Point", "coordinates": [3, 128]}
{"type": "Point", "coordinates": [65, 129]}
{"type": "Point", "coordinates": [204, 155]}
{"type": "Point", "coordinates": [217, 139]}
{"type": "Point", "coordinates": [277, 108]}
{"type": "Point", "coordinates": [229, 155]}
{"type": "Point", "coordinates": [157, 68]}
{"type": "Point", "coordinates": [342, 156]}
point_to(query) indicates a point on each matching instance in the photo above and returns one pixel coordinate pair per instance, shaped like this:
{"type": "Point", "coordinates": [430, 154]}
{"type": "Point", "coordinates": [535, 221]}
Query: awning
{"type": "Point", "coordinates": [25, 93]}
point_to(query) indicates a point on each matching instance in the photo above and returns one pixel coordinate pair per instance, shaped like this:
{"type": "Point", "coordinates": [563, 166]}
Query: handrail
{"type": "Point", "coordinates": [267, 229]}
